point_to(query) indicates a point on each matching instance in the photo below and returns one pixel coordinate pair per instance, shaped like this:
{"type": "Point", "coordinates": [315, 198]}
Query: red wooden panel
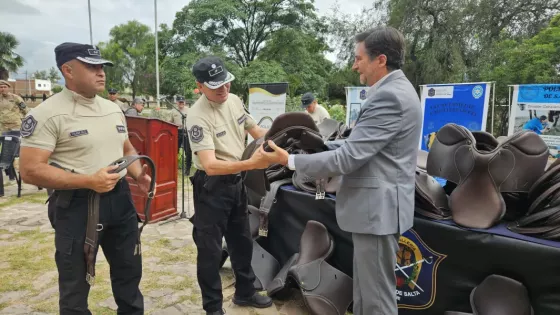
{"type": "Point", "coordinates": [158, 140]}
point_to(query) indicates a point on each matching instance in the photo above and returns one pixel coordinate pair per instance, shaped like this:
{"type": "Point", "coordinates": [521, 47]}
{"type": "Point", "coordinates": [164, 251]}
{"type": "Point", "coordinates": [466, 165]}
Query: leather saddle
{"type": "Point", "coordinates": [331, 129]}
{"type": "Point", "coordinates": [325, 289]}
{"type": "Point", "coordinates": [542, 218]}
{"type": "Point", "coordinates": [430, 199]}
{"type": "Point", "coordinates": [264, 265]}
{"type": "Point", "coordinates": [499, 295]}
{"type": "Point", "coordinates": [483, 168]}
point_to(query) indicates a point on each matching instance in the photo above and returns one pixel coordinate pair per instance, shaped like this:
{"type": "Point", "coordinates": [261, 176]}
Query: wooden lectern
{"type": "Point", "coordinates": [158, 140]}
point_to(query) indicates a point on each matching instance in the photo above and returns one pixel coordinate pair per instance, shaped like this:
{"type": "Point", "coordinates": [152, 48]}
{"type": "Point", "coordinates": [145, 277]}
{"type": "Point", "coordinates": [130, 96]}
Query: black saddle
{"type": "Point", "coordinates": [483, 168]}
{"type": "Point", "coordinates": [542, 219]}
{"type": "Point", "coordinates": [325, 289]}
{"type": "Point", "coordinates": [264, 265]}
{"type": "Point", "coordinates": [498, 295]}
{"type": "Point", "coordinates": [430, 198]}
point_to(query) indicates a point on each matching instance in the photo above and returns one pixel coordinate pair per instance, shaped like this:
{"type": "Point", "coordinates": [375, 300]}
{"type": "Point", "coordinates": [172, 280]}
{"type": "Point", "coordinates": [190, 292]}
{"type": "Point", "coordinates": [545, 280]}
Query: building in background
{"type": "Point", "coordinates": [29, 88]}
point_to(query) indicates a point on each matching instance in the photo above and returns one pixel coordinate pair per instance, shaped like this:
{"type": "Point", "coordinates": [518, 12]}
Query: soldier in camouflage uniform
{"type": "Point", "coordinates": [12, 108]}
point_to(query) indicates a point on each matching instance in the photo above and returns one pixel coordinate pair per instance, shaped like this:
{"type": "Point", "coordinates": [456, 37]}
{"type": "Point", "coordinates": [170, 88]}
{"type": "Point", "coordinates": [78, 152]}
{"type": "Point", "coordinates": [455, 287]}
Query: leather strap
{"type": "Point", "coordinates": [266, 204]}
{"type": "Point", "coordinates": [93, 226]}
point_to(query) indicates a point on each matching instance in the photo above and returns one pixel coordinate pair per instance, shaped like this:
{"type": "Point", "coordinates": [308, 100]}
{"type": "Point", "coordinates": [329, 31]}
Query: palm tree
{"type": "Point", "coordinates": [9, 60]}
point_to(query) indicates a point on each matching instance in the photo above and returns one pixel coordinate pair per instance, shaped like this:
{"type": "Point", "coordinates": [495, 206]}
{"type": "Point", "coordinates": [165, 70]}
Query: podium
{"type": "Point", "coordinates": [158, 140]}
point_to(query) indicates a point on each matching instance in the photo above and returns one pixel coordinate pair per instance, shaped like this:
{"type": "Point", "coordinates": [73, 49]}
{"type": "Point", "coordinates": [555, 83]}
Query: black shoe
{"type": "Point", "coordinates": [257, 300]}
{"type": "Point", "coordinates": [220, 312]}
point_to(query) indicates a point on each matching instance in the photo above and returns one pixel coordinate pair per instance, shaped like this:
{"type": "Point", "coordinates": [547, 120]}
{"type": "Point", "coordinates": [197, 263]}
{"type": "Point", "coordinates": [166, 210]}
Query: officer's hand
{"type": "Point", "coordinates": [104, 181]}
{"type": "Point", "coordinates": [259, 161]}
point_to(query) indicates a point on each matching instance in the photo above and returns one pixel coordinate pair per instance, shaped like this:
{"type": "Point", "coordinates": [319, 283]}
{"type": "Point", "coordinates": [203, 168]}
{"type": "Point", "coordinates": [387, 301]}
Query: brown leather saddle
{"type": "Point", "coordinates": [498, 295]}
{"type": "Point", "coordinates": [542, 218]}
{"type": "Point", "coordinates": [264, 265]}
{"type": "Point", "coordinates": [325, 289]}
{"type": "Point", "coordinates": [483, 168]}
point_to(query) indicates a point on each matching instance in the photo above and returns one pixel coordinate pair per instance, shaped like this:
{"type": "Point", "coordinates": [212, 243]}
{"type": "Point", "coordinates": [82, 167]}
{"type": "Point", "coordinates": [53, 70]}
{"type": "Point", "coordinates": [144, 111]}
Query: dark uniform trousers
{"type": "Point", "coordinates": [220, 204]}
{"type": "Point", "coordinates": [117, 239]}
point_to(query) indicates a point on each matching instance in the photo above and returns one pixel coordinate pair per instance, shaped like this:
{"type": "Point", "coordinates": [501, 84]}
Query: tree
{"type": "Point", "coordinates": [240, 27]}
{"type": "Point", "coordinates": [40, 75]}
{"type": "Point", "coordinates": [129, 49]}
{"type": "Point", "coordinates": [54, 75]}
{"type": "Point", "coordinates": [10, 61]}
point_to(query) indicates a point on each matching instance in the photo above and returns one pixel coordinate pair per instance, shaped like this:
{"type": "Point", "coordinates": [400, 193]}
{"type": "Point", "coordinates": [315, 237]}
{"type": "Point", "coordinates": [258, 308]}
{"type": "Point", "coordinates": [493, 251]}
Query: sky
{"type": "Point", "coordinates": [40, 25]}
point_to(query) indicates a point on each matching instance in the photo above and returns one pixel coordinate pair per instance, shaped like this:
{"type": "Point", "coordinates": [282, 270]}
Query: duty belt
{"type": "Point", "coordinates": [93, 226]}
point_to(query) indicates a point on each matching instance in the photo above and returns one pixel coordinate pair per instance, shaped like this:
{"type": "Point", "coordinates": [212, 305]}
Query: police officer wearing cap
{"type": "Point", "coordinates": [12, 108]}
{"type": "Point", "coordinates": [216, 126]}
{"type": "Point", "coordinates": [83, 133]}
{"type": "Point", "coordinates": [136, 108]}
{"type": "Point", "coordinates": [114, 97]}
{"type": "Point", "coordinates": [177, 118]}
{"type": "Point", "coordinates": [312, 107]}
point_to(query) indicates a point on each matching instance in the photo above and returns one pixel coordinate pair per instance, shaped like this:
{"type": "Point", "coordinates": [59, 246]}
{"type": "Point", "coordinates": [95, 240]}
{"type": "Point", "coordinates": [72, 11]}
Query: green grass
{"type": "Point", "coordinates": [39, 197]}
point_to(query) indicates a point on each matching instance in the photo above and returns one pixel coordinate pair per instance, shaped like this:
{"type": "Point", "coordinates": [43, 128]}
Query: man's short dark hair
{"type": "Point", "coordinates": [384, 40]}
{"type": "Point", "coordinates": [543, 117]}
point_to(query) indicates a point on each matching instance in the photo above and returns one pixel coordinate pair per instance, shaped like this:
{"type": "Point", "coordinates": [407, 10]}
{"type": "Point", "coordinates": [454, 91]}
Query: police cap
{"type": "Point", "coordinates": [83, 52]}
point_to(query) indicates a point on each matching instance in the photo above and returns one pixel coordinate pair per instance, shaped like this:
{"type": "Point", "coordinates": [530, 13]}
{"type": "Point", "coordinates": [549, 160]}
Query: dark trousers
{"type": "Point", "coordinates": [220, 204]}
{"type": "Point", "coordinates": [118, 240]}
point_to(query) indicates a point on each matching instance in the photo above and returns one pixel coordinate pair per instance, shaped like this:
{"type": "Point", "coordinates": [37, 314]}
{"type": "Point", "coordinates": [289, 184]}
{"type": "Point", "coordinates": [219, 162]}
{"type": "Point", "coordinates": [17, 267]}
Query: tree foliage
{"type": "Point", "coordinates": [10, 61]}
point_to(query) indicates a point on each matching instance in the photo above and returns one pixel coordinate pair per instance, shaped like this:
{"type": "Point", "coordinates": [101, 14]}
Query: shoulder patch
{"type": "Point", "coordinates": [196, 133]}
{"type": "Point", "coordinates": [28, 126]}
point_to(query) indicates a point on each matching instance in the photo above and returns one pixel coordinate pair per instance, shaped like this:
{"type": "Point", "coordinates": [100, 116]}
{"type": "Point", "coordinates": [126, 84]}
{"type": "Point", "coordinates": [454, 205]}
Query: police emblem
{"type": "Point", "coordinates": [432, 92]}
{"type": "Point", "coordinates": [477, 91]}
{"type": "Point", "coordinates": [28, 126]}
{"type": "Point", "coordinates": [416, 272]}
{"type": "Point", "coordinates": [196, 134]}
{"type": "Point", "coordinates": [363, 94]}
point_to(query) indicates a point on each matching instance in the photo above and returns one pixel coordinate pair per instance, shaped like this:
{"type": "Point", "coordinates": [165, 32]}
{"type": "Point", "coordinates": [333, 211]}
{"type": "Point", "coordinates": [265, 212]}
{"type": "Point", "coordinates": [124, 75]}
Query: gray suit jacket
{"type": "Point", "coordinates": [377, 161]}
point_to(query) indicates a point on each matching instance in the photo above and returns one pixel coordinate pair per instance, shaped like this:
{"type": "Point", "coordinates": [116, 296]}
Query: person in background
{"type": "Point", "coordinates": [114, 97]}
{"type": "Point", "coordinates": [12, 108]}
{"type": "Point", "coordinates": [136, 108]}
{"type": "Point", "coordinates": [537, 124]}
{"type": "Point", "coordinates": [316, 111]}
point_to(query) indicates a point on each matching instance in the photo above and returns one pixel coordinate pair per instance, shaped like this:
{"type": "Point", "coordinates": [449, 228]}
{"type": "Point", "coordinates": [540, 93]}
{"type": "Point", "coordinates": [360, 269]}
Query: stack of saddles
{"type": "Point", "coordinates": [490, 180]}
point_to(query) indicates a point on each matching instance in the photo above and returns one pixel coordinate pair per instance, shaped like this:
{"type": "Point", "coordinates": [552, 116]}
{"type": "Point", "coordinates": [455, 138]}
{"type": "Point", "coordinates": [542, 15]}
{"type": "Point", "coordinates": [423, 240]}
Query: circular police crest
{"type": "Point", "coordinates": [432, 92]}
{"type": "Point", "coordinates": [477, 91]}
{"type": "Point", "coordinates": [28, 126]}
{"type": "Point", "coordinates": [196, 133]}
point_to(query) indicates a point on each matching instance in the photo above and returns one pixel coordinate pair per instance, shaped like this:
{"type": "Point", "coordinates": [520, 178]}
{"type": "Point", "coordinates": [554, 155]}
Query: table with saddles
{"type": "Point", "coordinates": [486, 243]}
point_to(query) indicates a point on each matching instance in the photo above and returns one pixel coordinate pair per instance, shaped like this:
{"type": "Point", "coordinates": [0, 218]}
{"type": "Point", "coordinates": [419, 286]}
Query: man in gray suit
{"type": "Point", "coordinates": [377, 163]}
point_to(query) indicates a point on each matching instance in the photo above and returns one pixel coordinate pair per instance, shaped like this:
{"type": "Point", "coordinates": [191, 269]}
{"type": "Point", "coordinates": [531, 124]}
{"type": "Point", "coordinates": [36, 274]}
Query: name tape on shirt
{"type": "Point", "coordinates": [79, 133]}
{"type": "Point", "coordinates": [121, 129]}
{"type": "Point", "coordinates": [242, 119]}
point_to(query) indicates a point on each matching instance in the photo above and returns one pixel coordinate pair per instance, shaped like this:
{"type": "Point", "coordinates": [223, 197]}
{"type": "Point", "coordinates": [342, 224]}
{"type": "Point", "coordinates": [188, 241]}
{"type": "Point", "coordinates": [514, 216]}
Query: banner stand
{"type": "Point", "coordinates": [266, 102]}
{"type": "Point", "coordinates": [355, 97]}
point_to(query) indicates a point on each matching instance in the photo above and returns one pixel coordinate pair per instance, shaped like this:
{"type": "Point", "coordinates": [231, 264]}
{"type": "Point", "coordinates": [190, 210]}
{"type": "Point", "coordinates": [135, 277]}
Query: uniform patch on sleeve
{"type": "Point", "coordinates": [242, 119]}
{"type": "Point", "coordinates": [221, 134]}
{"type": "Point", "coordinates": [79, 133]}
{"type": "Point", "coordinates": [121, 129]}
{"type": "Point", "coordinates": [28, 126]}
{"type": "Point", "coordinates": [196, 133]}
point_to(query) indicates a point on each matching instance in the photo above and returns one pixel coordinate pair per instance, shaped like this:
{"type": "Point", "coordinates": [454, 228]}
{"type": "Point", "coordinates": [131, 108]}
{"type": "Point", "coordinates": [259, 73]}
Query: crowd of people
{"type": "Point", "coordinates": [83, 132]}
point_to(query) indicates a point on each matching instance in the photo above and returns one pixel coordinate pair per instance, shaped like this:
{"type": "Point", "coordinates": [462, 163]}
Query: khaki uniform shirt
{"type": "Point", "coordinates": [10, 113]}
{"type": "Point", "coordinates": [319, 114]}
{"type": "Point", "coordinates": [218, 127]}
{"type": "Point", "coordinates": [123, 106]}
{"type": "Point", "coordinates": [83, 134]}
{"type": "Point", "coordinates": [176, 118]}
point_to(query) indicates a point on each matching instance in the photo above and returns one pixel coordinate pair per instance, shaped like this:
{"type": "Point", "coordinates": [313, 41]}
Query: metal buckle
{"type": "Point", "coordinates": [90, 279]}
{"type": "Point", "coordinates": [99, 227]}
{"type": "Point", "coordinates": [263, 232]}
{"type": "Point", "coordinates": [151, 195]}
{"type": "Point", "coordinates": [320, 195]}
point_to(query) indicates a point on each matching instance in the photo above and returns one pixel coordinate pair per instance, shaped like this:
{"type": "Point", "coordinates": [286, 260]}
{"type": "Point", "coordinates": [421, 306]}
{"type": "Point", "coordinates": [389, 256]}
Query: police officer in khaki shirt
{"type": "Point", "coordinates": [216, 125]}
{"type": "Point", "coordinates": [177, 118]}
{"type": "Point", "coordinates": [316, 111]}
{"type": "Point", "coordinates": [12, 108]}
{"type": "Point", "coordinates": [113, 97]}
{"type": "Point", "coordinates": [83, 132]}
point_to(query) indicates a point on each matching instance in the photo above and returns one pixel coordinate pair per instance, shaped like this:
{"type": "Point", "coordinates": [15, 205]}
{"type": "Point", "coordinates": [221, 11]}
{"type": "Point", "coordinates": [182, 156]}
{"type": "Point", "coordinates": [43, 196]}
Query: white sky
{"type": "Point", "coordinates": [40, 25]}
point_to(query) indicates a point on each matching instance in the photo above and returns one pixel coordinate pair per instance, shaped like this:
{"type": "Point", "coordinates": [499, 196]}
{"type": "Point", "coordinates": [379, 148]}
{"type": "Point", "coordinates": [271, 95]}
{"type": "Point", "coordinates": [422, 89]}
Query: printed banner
{"type": "Point", "coordinates": [266, 102]}
{"type": "Point", "coordinates": [537, 107]}
{"type": "Point", "coordinates": [355, 97]}
{"type": "Point", "coordinates": [462, 104]}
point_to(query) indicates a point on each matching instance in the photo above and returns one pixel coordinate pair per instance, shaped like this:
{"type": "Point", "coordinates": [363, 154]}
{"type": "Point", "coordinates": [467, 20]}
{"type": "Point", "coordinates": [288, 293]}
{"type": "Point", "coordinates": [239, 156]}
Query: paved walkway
{"type": "Point", "coordinates": [28, 284]}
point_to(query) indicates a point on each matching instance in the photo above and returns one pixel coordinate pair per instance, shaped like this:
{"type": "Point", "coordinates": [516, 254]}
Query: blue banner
{"type": "Point", "coordinates": [462, 104]}
{"type": "Point", "coordinates": [539, 94]}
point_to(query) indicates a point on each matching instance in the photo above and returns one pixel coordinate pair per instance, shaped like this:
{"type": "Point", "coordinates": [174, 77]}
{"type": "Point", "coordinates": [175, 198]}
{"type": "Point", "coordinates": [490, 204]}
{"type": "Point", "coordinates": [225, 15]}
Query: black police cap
{"type": "Point", "coordinates": [307, 99]}
{"type": "Point", "coordinates": [83, 52]}
{"type": "Point", "coordinates": [211, 71]}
